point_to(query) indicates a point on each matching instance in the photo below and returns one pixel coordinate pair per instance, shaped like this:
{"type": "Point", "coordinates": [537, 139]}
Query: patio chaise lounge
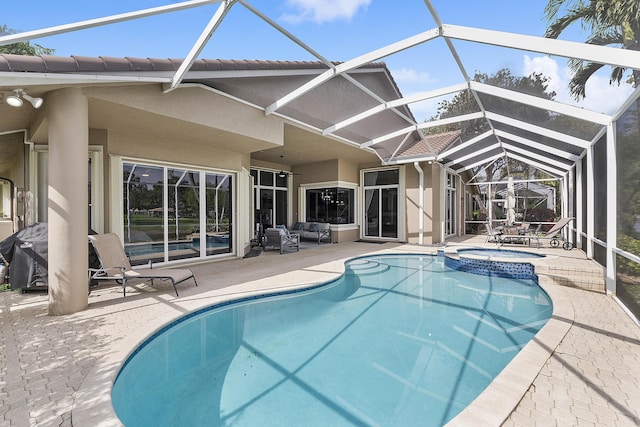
{"type": "Point", "coordinates": [552, 235]}
{"type": "Point", "coordinates": [114, 265]}
{"type": "Point", "coordinates": [493, 234]}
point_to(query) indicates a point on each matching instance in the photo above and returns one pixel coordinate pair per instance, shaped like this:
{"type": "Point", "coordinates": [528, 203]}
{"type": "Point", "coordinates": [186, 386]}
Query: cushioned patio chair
{"type": "Point", "coordinates": [280, 238]}
{"type": "Point", "coordinates": [114, 265]}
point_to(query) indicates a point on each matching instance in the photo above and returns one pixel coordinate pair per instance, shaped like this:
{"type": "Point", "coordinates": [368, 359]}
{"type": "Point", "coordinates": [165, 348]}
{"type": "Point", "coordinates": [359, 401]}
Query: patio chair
{"type": "Point", "coordinates": [279, 238]}
{"type": "Point", "coordinates": [493, 234]}
{"type": "Point", "coordinates": [523, 228]}
{"type": "Point", "coordinates": [554, 235]}
{"type": "Point", "coordinates": [114, 265]}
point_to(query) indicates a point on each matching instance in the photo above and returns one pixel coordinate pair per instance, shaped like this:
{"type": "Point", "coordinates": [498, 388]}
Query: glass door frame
{"type": "Point", "coordinates": [400, 204]}
{"type": "Point", "coordinates": [451, 205]}
{"type": "Point", "coordinates": [258, 187]}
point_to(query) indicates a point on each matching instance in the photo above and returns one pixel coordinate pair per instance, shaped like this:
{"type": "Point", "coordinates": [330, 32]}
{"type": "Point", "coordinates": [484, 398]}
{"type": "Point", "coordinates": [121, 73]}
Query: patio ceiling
{"type": "Point", "coordinates": [552, 141]}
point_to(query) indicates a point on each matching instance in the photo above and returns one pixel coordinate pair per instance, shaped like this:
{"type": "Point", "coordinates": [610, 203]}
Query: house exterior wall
{"type": "Point", "coordinates": [431, 212]}
{"type": "Point", "coordinates": [437, 207]}
{"type": "Point", "coordinates": [207, 112]}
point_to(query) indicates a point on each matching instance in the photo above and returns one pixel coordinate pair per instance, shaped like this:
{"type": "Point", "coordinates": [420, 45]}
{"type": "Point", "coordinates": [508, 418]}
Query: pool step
{"type": "Point", "coordinates": [364, 267]}
{"type": "Point", "coordinates": [586, 275]}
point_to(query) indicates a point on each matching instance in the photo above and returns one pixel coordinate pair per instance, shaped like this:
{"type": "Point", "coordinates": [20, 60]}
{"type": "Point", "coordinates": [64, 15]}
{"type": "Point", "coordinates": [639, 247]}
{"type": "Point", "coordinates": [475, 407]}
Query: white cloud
{"type": "Point", "coordinates": [601, 96]}
{"type": "Point", "coordinates": [410, 75]}
{"type": "Point", "coordinates": [320, 11]}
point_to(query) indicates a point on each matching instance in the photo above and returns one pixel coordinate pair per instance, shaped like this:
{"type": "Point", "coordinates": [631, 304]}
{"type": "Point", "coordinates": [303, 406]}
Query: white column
{"type": "Point", "coordinates": [578, 203]}
{"type": "Point", "coordinates": [590, 203]}
{"type": "Point", "coordinates": [416, 165]}
{"type": "Point", "coordinates": [612, 210]}
{"type": "Point", "coordinates": [67, 114]}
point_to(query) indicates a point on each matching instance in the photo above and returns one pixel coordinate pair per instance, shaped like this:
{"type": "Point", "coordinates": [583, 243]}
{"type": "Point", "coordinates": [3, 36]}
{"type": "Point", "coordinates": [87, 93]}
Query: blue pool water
{"type": "Point", "coordinates": [396, 341]}
{"type": "Point", "coordinates": [499, 253]}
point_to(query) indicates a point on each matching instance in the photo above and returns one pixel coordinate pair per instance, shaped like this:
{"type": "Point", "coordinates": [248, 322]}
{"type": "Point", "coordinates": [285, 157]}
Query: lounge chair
{"type": "Point", "coordinates": [114, 265]}
{"type": "Point", "coordinates": [493, 234]}
{"type": "Point", "coordinates": [552, 235]}
{"type": "Point", "coordinates": [280, 238]}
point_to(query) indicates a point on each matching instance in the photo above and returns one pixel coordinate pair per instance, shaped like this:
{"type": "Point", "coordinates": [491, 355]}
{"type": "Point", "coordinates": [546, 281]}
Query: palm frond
{"type": "Point", "coordinates": [617, 73]}
{"type": "Point", "coordinates": [582, 73]}
{"type": "Point", "coordinates": [578, 15]}
{"type": "Point", "coordinates": [606, 37]}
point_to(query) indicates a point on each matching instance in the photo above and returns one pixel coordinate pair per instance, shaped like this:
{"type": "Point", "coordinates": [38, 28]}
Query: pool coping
{"type": "Point", "coordinates": [92, 405]}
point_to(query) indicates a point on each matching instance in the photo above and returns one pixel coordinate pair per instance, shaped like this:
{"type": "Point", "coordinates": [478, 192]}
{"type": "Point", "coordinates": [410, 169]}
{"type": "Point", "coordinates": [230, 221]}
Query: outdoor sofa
{"type": "Point", "coordinates": [317, 231]}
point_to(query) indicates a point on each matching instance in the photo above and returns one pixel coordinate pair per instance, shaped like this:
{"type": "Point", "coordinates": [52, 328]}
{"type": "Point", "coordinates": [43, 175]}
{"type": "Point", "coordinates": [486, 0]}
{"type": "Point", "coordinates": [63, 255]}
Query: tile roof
{"type": "Point", "coordinates": [438, 142]}
{"type": "Point", "coordinates": [60, 64]}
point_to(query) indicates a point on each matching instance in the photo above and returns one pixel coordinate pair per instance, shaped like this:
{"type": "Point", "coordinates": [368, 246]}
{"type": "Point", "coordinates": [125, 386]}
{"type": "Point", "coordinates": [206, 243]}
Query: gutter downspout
{"type": "Point", "coordinates": [420, 203]}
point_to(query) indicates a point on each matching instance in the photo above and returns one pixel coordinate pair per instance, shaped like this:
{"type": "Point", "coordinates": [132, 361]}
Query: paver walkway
{"type": "Point", "coordinates": [591, 380]}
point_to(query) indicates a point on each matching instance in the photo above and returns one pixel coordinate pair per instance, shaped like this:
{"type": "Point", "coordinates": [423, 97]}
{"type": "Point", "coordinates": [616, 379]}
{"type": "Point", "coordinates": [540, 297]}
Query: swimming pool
{"type": "Point", "coordinates": [398, 340]}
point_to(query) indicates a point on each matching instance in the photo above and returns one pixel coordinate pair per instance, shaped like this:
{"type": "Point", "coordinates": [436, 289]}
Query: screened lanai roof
{"type": "Point", "coordinates": [548, 134]}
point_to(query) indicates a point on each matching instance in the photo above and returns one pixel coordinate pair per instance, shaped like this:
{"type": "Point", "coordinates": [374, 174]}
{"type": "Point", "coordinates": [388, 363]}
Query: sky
{"type": "Point", "coordinates": [338, 30]}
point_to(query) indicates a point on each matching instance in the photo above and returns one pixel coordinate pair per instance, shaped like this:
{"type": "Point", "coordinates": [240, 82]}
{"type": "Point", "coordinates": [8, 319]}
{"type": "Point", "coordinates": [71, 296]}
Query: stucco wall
{"type": "Point", "coordinates": [437, 203]}
{"type": "Point", "coordinates": [412, 204]}
{"type": "Point", "coordinates": [330, 171]}
{"type": "Point", "coordinates": [148, 147]}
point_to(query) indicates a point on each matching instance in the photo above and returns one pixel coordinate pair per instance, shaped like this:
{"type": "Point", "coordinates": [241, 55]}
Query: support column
{"type": "Point", "coordinates": [67, 114]}
{"type": "Point", "coordinates": [578, 204]}
{"type": "Point", "coordinates": [590, 202]}
{"type": "Point", "coordinates": [612, 208]}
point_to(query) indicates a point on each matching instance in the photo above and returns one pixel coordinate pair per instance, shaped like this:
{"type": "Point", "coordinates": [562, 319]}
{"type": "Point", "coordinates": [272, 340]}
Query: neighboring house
{"type": "Point", "coordinates": [201, 167]}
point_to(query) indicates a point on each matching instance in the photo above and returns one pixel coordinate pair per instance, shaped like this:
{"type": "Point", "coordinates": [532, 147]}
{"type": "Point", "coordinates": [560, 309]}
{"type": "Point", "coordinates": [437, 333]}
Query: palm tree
{"type": "Point", "coordinates": [611, 23]}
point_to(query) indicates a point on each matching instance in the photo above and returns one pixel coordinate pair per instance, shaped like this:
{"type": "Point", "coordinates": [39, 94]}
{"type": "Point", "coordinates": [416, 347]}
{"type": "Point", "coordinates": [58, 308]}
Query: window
{"type": "Point", "coordinates": [37, 210]}
{"type": "Point", "coordinates": [271, 198]}
{"type": "Point", "coordinates": [335, 205]}
{"type": "Point", "coordinates": [175, 213]}
{"type": "Point", "coordinates": [450, 210]}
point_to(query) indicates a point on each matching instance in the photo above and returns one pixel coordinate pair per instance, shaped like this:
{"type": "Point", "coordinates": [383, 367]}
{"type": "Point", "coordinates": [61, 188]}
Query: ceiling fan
{"type": "Point", "coordinates": [283, 173]}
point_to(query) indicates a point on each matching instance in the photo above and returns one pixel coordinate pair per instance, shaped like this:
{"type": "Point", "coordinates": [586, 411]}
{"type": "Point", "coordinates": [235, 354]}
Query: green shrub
{"type": "Point", "coordinates": [631, 245]}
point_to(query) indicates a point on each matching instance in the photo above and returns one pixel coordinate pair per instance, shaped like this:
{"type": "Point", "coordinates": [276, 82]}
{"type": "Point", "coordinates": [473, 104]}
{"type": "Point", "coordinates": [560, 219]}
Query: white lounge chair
{"type": "Point", "coordinates": [552, 235]}
{"type": "Point", "coordinates": [493, 234]}
{"type": "Point", "coordinates": [114, 265]}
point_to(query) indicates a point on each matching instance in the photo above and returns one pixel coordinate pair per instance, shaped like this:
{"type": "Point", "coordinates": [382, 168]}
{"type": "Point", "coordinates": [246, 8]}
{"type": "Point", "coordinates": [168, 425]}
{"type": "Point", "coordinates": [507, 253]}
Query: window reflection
{"type": "Point", "coordinates": [146, 212]}
{"type": "Point", "coordinates": [334, 205]}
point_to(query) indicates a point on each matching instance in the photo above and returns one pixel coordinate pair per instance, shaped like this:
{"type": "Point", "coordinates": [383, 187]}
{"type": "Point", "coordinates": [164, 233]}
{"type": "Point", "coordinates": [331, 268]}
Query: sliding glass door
{"type": "Point", "coordinates": [381, 204]}
{"type": "Point", "coordinates": [175, 213]}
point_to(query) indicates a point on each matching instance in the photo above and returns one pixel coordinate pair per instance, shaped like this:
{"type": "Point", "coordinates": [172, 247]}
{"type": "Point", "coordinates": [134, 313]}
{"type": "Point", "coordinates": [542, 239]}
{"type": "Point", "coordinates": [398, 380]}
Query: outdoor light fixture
{"type": "Point", "coordinates": [15, 100]}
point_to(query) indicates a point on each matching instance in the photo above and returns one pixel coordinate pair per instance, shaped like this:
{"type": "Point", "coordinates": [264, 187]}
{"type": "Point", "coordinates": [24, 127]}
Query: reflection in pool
{"type": "Point", "coordinates": [398, 340]}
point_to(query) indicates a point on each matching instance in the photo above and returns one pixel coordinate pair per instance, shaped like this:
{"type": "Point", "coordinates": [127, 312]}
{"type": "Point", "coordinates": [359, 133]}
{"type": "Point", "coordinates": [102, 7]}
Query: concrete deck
{"type": "Point", "coordinates": [581, 370]}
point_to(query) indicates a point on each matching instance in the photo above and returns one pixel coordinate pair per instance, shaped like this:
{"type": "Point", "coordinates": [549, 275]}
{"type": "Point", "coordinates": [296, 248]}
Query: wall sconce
{"type": "Point", "coordinates": [15, 100]}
